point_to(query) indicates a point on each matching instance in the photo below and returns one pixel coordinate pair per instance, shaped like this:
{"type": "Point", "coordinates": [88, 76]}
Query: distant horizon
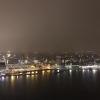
{"type": "Point", "coordinates": [50, 52]}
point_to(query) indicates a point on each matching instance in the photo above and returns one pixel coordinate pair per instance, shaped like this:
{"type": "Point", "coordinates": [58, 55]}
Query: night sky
{"type": "Point", "coordinates": [50, 25]}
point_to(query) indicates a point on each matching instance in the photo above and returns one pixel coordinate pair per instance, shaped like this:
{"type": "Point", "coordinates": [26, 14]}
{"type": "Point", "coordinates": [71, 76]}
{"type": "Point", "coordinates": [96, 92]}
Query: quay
{"type": "Point", "coordinates": [28, 70]}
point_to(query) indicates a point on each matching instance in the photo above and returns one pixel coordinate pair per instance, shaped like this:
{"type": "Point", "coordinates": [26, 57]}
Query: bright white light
{"type": "Point", "coordinates": [32, 66]}
{"type": "Point", "coordinates": [20, 73]}
{"type": "Point", "coordinates": [36, 72]}
{"type": "Point", "coordinates": [32, 72]}
{"type": "Point", "coordinates": [89, 66]}
{"type": "Point", "coordinates": [83, 70]}
{"type": "Point", "coordinates": [27, 76]}
{"type": "Point", "coordinates": [8, 55]}
{"type": "Point", "coordinates": [94, 71]}
{"type": "Point", "coordinates": [43, 72]}
{"type": "Point", "coordinates": [58, 70]}
{"type": "Point", "coordinates": [28, 73]}
{"type": "Point", "coordinates": [3, 77]}
{"type": "Point", "coordinates": [70, 70]}
{"type": "Point", "coordinates": [12, 77]}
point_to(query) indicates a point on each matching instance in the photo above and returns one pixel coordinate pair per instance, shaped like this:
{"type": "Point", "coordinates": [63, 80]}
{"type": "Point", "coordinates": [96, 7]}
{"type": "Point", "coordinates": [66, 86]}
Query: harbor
{"type": "Point", "coordinates": [30, 70]}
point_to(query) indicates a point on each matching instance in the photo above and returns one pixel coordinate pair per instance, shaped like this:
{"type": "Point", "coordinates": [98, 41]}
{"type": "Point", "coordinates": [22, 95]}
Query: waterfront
{"type": "Point", "coordinates": [51, 84]}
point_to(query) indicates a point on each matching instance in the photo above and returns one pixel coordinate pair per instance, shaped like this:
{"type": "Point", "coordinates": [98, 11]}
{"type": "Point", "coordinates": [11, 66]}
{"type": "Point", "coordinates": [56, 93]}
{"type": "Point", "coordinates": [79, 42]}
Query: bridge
{"type": "Point", "coordinates": [19, 69]}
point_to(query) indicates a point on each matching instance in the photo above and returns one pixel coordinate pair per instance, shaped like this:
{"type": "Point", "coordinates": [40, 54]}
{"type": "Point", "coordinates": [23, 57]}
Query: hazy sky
{"type": "Point", "coordinates": [49, 25]}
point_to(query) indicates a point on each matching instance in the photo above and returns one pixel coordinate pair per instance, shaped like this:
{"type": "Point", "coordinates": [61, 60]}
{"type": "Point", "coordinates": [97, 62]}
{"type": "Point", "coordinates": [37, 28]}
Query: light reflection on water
{"type": "Point", "coordinates": [27, 76]}
{"type": "Point", "coordinates": [43, 72]}
{"type": "Point", "coordinates": [2, 78]}
{"type": "Point", "coordinates": [48, 71]}
{"type": "Point", "coordinates": [89, 76]}
{"type": "Point", "coordinates": [12, 80]}
{"type": "Point", "coordinates": [32, 77]}
{"type": "Point", "coordinates": [70, 71]}
{"type": "Point", "coordinates": [50, 81]}
{"type": "Point", "coordinates": [86, 76]}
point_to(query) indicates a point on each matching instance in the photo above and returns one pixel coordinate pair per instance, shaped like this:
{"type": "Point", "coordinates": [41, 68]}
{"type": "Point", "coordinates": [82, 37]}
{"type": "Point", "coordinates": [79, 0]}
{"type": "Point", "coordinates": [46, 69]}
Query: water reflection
{"type": "Point", "coordinates": [43, 72]}
{"type": "Point", "coordinates": [84, 75]}
{"type": "Point", "coordinates": [48, 71]}
{"type": "Point", "coordinates": [32, 72]}
{"type": "Point", "coordinates": [94, 71]}
{"type": "Point", "coordinates": [32, 77]}
{"type": "Point", "coordinates": [27, 76]}
{"type": "Point", "coordinates": [17, 77]}
{"type": "Point", "coordinates": [36, 72]}
{"type": "Point", "coordinates": [70, 73]}
{"type": "Point", "coordinates": [2, 78]}
{"type": "Point", "coordinates": [89, 76]}
{"type": "Point", "coordinates": [83, 70]}
{"type": "Point", "coordinates": [58, 70]}
{"type": "Point", "coordinates": [12, 80]}
{"type": "Point", "coordinates": [58, 76]}
{"type": "Point", "coordinates": [36, 77]}
{"type": "Point", "coordinates": [63, 81]}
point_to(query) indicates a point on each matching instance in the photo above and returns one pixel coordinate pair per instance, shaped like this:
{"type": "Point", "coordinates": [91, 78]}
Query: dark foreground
{"type": "Point", "coordinates": [52, 85]}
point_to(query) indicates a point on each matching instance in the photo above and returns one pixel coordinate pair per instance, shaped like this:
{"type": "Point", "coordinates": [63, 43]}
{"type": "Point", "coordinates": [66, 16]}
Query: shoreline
{"type": "Point", "coordinates": [37, 71]}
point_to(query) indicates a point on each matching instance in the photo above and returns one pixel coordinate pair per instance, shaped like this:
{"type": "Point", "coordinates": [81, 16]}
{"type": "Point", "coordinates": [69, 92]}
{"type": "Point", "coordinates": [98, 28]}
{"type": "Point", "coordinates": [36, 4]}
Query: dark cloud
{"type": "Point", "coordinates": [49, 25]}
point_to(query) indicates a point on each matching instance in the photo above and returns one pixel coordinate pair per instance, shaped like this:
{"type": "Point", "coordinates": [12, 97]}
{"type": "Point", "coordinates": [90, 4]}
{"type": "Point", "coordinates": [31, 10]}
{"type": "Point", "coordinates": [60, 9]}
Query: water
{"type": "Point", "coordinates": [52, 84]}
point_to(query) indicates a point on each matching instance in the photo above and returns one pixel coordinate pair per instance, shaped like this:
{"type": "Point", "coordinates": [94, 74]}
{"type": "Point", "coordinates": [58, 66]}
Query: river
{"type": "Point", "coordinates": [52, 85]}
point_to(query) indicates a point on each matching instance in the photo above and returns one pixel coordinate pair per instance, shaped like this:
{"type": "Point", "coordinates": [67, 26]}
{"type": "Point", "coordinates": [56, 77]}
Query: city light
{"type": "Point", "coordinates": [12, 77]}
{"type": "Point", "coordinates": [36, 72]}
{"type": "Point", "coordinates": [17, 77]}
{"type": "Point", "coordinates": [28, 73]}
{"type": "Point", "coordinates": [94, 71]}
{"type": "Point", "coordinates": [32, 72]}
{"type": "Point", "coordinates": [58, 70]}
{"type": "Point", "coordinates": [32, 76]}
{"type": "Point", "coordinates": [32, 66]}
{"type": "Point", "coordinates": [2, 78]}
{"type": "Point", "coordinates": [43, 72]}
{"type": "Point", "coordinates": [83, 70]}
{"type": "Point", "coordinates": [20, 73]}
{"type": "Point", "coordinates": [48, 71]}
{"type": "Point", "coordinates": [17, 66]}
{"type": "Point", "coordinates": [70, 70]}
{"type": "Point", "coordinates": [27, 76]}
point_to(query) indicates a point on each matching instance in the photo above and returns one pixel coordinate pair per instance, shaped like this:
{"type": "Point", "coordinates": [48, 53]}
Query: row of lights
{"type": "Point", "coordinates": [29, 72]}
{"type": "Point", "coordinates": [58, 70]}
{"type": "Point", "coordinates": [94, 70]}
